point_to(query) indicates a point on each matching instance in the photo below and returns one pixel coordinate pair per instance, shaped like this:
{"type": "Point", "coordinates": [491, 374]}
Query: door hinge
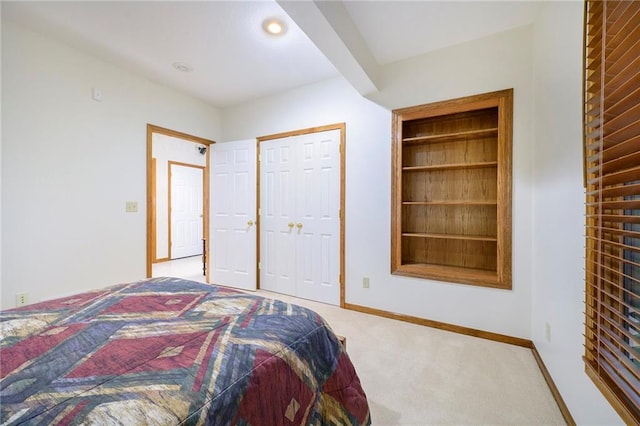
{"type": "Point", "coordinates": [258, 265]}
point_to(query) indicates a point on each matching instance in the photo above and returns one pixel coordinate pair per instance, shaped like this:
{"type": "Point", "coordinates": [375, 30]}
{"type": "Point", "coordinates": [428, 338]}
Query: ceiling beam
{"type": "Point", "coordinates": [330, 28]}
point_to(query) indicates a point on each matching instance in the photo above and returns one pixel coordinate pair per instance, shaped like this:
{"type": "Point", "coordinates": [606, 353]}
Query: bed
{"type": "Point", "coordinates": [168, 351]}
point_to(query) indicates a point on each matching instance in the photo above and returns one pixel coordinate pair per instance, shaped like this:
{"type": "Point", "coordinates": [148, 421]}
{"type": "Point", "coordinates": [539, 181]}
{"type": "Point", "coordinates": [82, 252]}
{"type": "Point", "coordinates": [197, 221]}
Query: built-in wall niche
{"type": "Point", "coordinates": [451, 190]}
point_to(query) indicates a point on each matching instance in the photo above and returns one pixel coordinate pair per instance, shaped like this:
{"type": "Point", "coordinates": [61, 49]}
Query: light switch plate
{"type": "Point", "coordinates": [96, 94]}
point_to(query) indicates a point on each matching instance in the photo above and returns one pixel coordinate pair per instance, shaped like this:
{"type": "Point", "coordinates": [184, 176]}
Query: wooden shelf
{"type": "Point", "coordinates": [480, 277]}
{"type": "Point", "coordinates": [446, 137]}
{"type": "Point", "coordinates": [450, 203]}
{"type": "Point", "coordinates": [451, 190]}
{"type": "Point", "coordinates": [451, 236]}
{"type": "Point", "coordinates": [459, 166]}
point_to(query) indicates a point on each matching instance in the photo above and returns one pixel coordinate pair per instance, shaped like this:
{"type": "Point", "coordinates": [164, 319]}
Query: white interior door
{"type": "Point", "coordinates": [318, 217]}
{"type": "Point", "coordinates": [277, 216]}
{"type": "Point", "coordinates": [300, 216]}
{"type": "Point", "coordinates": [232, 248]}
{"type": "Point", "coordinates": [186, 210]}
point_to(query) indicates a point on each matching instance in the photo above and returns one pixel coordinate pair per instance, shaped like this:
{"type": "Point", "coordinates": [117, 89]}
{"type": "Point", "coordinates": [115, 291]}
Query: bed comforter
{"type": "Point", "coordinates": [168, 351]}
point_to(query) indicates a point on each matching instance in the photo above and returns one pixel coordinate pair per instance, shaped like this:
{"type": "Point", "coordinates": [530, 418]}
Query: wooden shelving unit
{"type": "Point", "coordinates": [451, 190]}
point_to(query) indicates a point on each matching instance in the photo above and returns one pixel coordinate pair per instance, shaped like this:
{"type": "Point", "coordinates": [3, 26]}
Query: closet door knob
{"type": "Point", "coordinates": [290, 225]}
{"type": "Point", "coordinates": [299, 225]}
{"type": "Point", "coordinates": [250, 223]}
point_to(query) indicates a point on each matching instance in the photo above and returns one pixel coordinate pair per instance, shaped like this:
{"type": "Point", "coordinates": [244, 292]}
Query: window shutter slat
{"type": "Point", "coordinates": [618, 245]}
{"type": "Point", "coordinates": [625, 162]}
{"type": "Point", "coordinates": [608, 293]}
{"type": "Point", "coordinates": [622, 99]}
{"type": "Point", "coordinates": [624, 120]}
{"type": "Point", "coordinates": [621, 22]}
{"type": "Point", "coordinates": [618, 362]}
{"type": "Point", "coordinates": [623, 262]}
{"type": "Point", "coordinates": [621, 177]}
{"type": "Point", "coordinates": [620, 135]}
{"type": "Point", "coordinates": [594, 74]}
{"type": "Point", "coordinates": [627, 147]}
{"type": "Point", "coordinates": [616, 191]}
{"type": "Point", "coordinates": [616, 218]}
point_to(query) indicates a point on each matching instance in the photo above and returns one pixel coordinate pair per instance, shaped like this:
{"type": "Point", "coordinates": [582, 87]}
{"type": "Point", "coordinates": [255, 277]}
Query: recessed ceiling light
{"type": "Point", "coordinates": [274, 26]}
{"type": "Point", "coordinates": [181, 66]}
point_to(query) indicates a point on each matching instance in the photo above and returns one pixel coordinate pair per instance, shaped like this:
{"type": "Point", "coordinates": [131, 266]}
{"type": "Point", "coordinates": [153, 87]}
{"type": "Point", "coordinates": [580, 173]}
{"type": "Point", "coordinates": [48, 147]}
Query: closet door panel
{"type": "Point", "coordinates": [300, 216]}
{"type": "Point", "coordinates": [277, 201]}
{"type": "Point", "coordinates": [318, 210]}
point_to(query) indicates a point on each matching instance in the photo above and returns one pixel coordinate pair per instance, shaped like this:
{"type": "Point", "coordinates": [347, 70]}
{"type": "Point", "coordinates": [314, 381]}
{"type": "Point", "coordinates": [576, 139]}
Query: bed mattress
{"type": "Point", "coordinates": [167, 351]}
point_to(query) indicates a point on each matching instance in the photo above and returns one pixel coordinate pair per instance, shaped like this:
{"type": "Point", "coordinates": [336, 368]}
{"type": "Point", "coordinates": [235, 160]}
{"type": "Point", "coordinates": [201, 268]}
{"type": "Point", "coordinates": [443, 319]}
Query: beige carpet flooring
{"type": "Point", "coordinates": [416, 375]}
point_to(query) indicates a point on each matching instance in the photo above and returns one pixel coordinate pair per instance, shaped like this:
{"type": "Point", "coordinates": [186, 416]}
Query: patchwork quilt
{"type": "Point", "coordinates": [167, 351]}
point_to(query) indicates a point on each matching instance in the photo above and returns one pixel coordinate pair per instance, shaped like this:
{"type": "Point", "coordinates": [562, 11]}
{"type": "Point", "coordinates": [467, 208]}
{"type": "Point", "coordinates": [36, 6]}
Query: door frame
{"type": "Point", "coordinates": [342, 127]}
{"type": "Point", "coordinates": [151, 194]}
{"type": "Point", "coordinates": [193, 166]}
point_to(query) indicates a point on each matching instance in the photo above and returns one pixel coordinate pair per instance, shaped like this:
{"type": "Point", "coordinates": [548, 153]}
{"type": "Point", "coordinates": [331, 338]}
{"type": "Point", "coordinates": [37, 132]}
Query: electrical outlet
{"type": "Point", "coordinates": [548, 331]}
{"type": "Point", "coordinates": [131, 207]}
{"type": "Point", "coordinates": [365, 282]}
{"type": "Point", "coordinates": [22, 299]}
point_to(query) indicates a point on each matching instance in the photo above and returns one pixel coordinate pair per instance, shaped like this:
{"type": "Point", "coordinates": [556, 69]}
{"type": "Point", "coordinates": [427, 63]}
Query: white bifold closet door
{"type": "Point", "coordinates": [300, 216]}
{"type": "Point", "coordinates": [233, 236]}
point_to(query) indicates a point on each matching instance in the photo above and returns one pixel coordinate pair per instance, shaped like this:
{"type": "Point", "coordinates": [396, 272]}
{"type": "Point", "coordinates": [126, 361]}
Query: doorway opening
{"type": "Point", "coordinates": [167, 149]}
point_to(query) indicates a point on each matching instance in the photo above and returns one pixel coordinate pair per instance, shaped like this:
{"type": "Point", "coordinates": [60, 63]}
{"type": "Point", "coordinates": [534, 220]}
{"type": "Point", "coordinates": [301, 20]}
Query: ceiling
{"type": "Point", "coordinates": [234, 61]}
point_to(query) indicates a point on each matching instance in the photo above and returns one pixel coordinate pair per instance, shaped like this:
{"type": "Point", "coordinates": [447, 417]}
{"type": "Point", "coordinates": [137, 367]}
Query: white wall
{"type": "Point", "coordinates": [548, 263]}
{"type": "Point", "coordinates": [558, 210]}
{"type": "Point", "coordinates": [498, 62]}
{"type": "Point", "coordinates": [69, 164]}
{"type": "Point", "coordinates": [164, 149]}
{"type": "Point", "coordinates": [1, 297]}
